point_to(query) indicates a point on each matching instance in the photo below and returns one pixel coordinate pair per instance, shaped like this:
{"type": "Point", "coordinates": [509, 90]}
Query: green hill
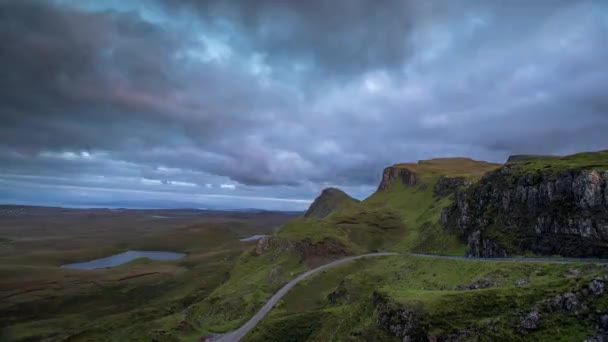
{"type": "Point", "coordinates": [330, 200]}
{"type": "Point", "coordinates": [402, 215]}
{"type": "Point", "coordinates": [414, 298]}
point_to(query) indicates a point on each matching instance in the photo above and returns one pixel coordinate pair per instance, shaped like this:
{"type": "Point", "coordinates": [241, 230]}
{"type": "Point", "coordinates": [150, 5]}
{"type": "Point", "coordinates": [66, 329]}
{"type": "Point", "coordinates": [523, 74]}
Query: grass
{"type": "Point", "coordinates": [428, 284]}
{"type": "Point", "coordinates": [421, 212]}
{"type": "Point", "coordinates": [400, 218]}
{"type": "Point", "coordinates": [580, 161]}
{"type": "Point", "coordinates": [250, 283]}
{"type": "Point", "coordinates": [450, 167]}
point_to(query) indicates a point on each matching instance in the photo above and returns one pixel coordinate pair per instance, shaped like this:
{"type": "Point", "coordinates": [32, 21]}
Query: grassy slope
{"type": "Point", "coordinates": [580, 161]}
{"type": "Point", "coordinates": [427, 284]}
{"type": "Point", "coordinates": [402, 218]}
{"type": "Point", "coordinates": [331, 199]}
{"type": "Point", "coordinates": [251, 282]}
{"type": "Point", "coordinates": [451, 167]}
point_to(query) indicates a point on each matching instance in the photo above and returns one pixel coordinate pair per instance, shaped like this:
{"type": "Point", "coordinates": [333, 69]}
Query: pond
{"type": "Point", "coordinates": [121, 258]}
{"type": "Point", "coordinates": [253, 237]}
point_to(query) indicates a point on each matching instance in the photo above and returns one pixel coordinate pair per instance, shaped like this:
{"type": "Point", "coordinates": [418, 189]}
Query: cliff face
{"type": "Point", "coordinates": [546, 212]}
{"type": "Point", "coordinates": [393, 175]}
{"type": "Point", "coordinates": [447, 185]}
{"type": "Point", "coordinates": [329, 200]}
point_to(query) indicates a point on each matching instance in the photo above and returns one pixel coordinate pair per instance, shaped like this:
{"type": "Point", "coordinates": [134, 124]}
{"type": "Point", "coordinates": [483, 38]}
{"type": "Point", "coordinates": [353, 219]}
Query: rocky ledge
{"type": "Point", "coordinates": [394, 175]}
{"type": "Point", "coordinates": [400, 321]}
{"type": "Point", "coordinates": [510, 211]}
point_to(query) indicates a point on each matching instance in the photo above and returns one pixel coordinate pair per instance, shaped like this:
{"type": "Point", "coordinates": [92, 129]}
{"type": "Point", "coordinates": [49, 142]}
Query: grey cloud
{"type": "Point", "coordinates": [306, 94]}
{"type": "Point", "coordinates": [342, 37]}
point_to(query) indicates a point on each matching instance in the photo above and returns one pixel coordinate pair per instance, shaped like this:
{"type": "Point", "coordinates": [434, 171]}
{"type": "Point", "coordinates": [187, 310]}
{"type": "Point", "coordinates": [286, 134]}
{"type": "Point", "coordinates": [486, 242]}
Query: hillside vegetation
{"type": "Point", "coordinates": [401, 216]}
{"type": "Point", "coordinates": [399, 298]}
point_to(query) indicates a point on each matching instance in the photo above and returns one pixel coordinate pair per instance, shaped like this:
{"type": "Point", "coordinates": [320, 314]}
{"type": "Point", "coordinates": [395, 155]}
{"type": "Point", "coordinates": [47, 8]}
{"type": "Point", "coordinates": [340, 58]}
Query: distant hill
{"type": "Point", "coordinates": [527, 157]}
{"type": "Point", "coordinates": [329, 200]}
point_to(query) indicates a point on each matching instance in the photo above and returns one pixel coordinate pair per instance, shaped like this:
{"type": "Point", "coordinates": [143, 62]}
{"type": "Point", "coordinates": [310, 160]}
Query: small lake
{"type": "Point", "coordinates": [253, 237]}
{"type": "Point", "coordinates": [122, 258]}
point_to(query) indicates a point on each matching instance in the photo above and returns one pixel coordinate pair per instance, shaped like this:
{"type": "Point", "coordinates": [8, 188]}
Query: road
{"type": "Point", "coordinates": [238, 334]}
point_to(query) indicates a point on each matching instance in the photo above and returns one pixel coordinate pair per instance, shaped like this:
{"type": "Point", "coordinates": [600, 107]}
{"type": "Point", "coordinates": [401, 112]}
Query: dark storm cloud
{"type": "Point", "coordinates": [281, 98]}
{"type": "Point", "coordinates": [341, 37]}
{"type": "Point", "coordinates": [110, 81]}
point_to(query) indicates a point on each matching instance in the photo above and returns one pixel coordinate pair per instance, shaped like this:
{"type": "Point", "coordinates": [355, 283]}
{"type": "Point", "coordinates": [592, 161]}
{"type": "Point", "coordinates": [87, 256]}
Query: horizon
{"type": "Point", "coordinates": [231, 104]}
{"type": "Point", "coordinates": [86, 207]}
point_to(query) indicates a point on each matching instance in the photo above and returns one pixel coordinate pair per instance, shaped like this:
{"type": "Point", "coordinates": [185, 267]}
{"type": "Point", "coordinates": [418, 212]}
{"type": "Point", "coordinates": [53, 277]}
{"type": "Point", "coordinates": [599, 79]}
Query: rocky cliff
{"type": "Point", "coordinates": [328, 201]}
{"type": "Point", "coordinates": [393, 175]}
{"type": "Point", "coordinates": [548, 208]}
{"type": "Point", "coordinates": [447, 185]}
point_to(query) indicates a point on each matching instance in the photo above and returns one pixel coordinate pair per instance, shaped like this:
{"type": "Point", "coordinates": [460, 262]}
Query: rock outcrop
{"type": "Point", "coordinates": [312, 253]}
{"type": "Point", "coordinates": [479, 284]}
{"type": "Point", "coordinates": [394, 175]}
{"type": "Point", "coordinates": [327, 202]}
{"type": "Point", "coordinates": [339, 295]}
{"type": "Point", "coordinates": [512, 210]}
{"type": "Point", "coordinates": [448, 185]}
{"type": "Point", "coordinates": [530, 322]}
{"type": "Point", "coordinates": [400, 321]}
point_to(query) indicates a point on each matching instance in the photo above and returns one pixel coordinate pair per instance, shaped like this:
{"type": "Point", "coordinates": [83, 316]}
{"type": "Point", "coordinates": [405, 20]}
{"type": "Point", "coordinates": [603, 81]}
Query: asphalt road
{"type": "Point", "coordinates": [238, 334]}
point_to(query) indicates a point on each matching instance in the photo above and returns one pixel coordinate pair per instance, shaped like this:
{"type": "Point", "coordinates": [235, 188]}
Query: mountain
{"type": "Point", "coordinates": [543, 205]}
{"type": "Point", "coordinates": [330, 200]}
{"type": "Point", "coordinates": [403, 214]}
{"type": "Point", "coordinates": [448, 206]}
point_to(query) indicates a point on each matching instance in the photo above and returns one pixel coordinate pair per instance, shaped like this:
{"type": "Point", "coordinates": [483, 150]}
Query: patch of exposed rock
{"type": "Point", "coordinates": [313, 253]}
{"type": "Point", "coordinates": [339, 295]}
{"type": "Point", "coordinates": [479, 284]}
{"type": "Point", "coordinates": [274, 244]}
{"type": "Point", "coordinates": [512, 211]}
{"type": "Point", "coordinates": [317, 253]}
{"type": "Point", "coordinates": [530, 322]}
{"type": "Point", "coordinates": [578, 302]}
{"type": "Point", "coordinates": [395, 175]}
{"type": "Point", "coordinates": [399, 320]}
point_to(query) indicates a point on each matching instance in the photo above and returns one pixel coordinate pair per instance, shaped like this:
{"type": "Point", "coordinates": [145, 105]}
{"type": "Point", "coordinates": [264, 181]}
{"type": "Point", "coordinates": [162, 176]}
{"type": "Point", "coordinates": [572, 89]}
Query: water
{"type": "Point", "coordinates": [253, 237]}
{"type": "Point", "coordinates": [121, 258]}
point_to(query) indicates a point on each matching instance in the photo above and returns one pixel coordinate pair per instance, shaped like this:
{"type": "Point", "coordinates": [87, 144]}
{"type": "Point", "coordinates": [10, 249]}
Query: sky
{"type": "Point", "coordinates": [262, 104]}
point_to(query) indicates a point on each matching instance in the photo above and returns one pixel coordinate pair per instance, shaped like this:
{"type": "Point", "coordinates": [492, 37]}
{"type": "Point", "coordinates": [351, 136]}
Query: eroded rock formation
{"type": "Point", "coordinates": [393, 175]}
{"type": "Point", "coordinates": [512, 211]}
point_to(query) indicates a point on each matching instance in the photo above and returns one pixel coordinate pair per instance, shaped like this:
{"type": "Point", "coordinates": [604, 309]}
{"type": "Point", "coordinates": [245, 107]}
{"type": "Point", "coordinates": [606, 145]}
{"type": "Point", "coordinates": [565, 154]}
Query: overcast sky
{"type": "Point", "coordinates": [264, 103]}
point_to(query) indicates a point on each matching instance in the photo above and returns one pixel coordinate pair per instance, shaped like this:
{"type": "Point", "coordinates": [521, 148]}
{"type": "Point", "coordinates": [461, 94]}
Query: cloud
{"type": "Point", "coordinates": [281, 98]}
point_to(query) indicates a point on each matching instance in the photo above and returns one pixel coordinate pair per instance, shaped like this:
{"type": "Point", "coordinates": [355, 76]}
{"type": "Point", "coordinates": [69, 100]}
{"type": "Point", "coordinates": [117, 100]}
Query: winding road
{"type": "Point", "coordinates": [238, 334]}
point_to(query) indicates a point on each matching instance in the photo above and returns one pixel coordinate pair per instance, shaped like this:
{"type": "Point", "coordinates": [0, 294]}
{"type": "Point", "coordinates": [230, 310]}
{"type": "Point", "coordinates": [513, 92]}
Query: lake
{"type": "Point", "coordinates": [122, 258]}
{"type": "Point", "coordinates": [253, 237]}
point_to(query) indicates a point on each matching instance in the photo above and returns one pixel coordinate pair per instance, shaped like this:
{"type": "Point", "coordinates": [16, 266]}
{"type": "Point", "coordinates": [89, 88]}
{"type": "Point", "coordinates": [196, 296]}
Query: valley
{"type": "Point", "coordinates": [139, 300]}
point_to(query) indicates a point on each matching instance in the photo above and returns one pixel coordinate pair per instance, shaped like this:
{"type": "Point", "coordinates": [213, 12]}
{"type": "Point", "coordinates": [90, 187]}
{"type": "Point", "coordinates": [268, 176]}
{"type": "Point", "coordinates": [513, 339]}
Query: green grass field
{"type": "Point", "coordinates": [430, 285]}
{"type": "Point", "coordinates": [579, 161]}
